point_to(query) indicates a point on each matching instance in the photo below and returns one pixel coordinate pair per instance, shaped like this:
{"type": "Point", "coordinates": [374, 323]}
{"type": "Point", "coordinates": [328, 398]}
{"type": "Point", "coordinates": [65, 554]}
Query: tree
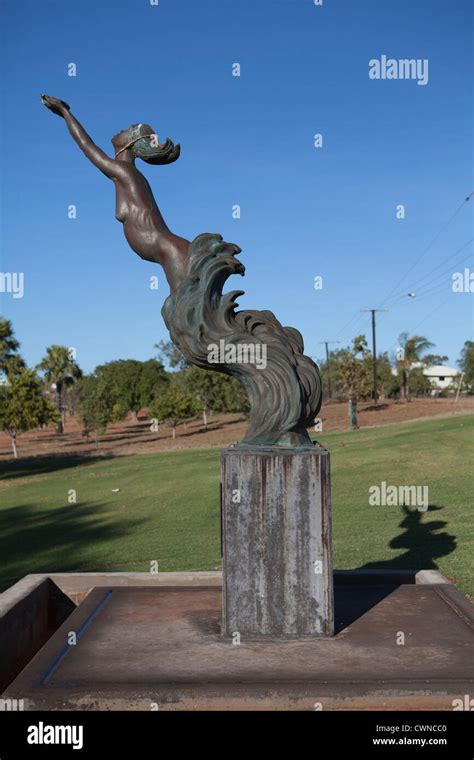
{"type": "Point", "coordinates": [174, 405]}
{"type": "Point", "coordinates": [431, 360]}
{"type": "Point", "coordinates": [134, 383]}
{"type": "Point", "coordinates": [235, 396]}
{"type": "Point", "coordinates": [466, 364]}
{"type": "Point", "coordinates": [339, 365]}
{"type": "Point", "coordinates": [152, 379]}
{"type": "Point", "coordinates": [96, 405]}
{"type": "Point", "coordinates": [60, 370]}
{"type": "Point", "coordinates": [409, 353]}
{"type": "Point", "coordinates": [23, 406]}
{"type": "Point", "coordinates": [171, 354]}
{"type": "Point", "coordinates": [386, 380]}
{"type": "Point", "coordinates": [205, 387]}
{"type": "Point", "coordinates": [355, 374]}
{"type": "Point", "coordinates": [213, 391]}
{"type": "Point", "coordinates": [10, 361]}
{"type": "Point", "coordinates": [418, 383]}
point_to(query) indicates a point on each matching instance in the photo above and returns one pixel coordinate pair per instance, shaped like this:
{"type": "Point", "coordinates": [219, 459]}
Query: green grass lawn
{"type": "Point", "coordinates": [167, 508]}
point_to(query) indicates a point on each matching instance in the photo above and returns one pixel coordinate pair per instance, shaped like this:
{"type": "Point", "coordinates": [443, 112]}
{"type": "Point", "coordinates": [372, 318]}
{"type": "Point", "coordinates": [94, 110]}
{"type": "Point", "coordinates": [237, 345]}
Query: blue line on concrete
{"type": "Point", "coordinates": [82, 628]}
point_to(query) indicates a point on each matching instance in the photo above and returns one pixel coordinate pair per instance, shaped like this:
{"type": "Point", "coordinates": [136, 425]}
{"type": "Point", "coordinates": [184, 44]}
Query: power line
{"type": "Point", "coordinates": [427, 248]}
{"type": "Point", "coordinates": [355, 316]}
{"type": "Point", "coordinates": [432, 285]}
{"type": "Point", "coordinates": [436, 308]}
{"type": "Point", "coordinates": [421, 282]}
{"type": "Point", "coordinates": [436, 290]}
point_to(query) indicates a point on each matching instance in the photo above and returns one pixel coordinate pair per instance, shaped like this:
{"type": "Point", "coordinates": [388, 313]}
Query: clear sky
{"type": "Point", "coordinates": [248, 140]}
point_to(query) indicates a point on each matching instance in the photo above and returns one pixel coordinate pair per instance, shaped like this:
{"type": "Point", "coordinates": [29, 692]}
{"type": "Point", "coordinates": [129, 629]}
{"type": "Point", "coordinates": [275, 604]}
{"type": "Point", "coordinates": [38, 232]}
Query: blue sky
{"type": "Point", "coordinates": [248, 140]}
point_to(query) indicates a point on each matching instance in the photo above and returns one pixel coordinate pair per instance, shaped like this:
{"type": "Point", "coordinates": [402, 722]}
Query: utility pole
{"type": "Point", "coordinates": [375, 394]}
{"type": "Point", "coordinates": [326, 343]}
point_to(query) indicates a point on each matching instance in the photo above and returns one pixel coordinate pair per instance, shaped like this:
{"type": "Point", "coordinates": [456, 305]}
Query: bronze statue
{"type": "Point", "coordinates": [285, 394]}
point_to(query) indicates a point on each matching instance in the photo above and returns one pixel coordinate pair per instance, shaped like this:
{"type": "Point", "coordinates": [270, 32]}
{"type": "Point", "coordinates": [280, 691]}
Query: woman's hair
{"type": "Point", "coordinates": [143, 142]}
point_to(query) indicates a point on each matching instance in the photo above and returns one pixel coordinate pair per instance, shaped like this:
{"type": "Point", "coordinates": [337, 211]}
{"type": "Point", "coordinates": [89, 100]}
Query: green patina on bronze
{"type": "Point", "coordinates": [285, 396]}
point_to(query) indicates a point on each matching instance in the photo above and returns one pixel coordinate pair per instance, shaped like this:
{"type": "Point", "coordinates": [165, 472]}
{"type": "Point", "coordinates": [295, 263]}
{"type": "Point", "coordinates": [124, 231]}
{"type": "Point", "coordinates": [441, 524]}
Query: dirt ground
{"type": "Point", "coordinates": [135, 437]}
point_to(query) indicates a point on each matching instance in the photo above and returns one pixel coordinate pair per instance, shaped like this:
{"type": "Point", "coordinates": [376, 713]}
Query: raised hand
{"type": "Point", "coordinates": [55, 105]}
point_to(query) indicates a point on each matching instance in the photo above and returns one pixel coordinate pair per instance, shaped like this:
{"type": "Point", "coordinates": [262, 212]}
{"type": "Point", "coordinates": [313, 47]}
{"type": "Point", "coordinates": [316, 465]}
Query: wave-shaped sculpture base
{"type": "Point", "coordinates": [283, 385]}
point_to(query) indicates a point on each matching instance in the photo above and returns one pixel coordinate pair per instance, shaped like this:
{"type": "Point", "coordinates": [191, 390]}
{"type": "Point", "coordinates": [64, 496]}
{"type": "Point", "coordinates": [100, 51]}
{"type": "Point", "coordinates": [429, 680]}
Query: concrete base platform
{"type": "Point", "coordinates": [161, 648]}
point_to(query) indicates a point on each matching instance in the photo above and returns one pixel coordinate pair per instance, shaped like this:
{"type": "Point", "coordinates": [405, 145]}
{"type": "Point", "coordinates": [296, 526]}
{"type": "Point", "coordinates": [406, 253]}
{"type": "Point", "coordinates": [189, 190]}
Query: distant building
{"type": "Point", "coordinates": [441, 377]}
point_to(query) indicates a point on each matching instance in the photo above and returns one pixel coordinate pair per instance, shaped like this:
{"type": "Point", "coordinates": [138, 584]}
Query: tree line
{"type": "Point", "coordinates": [57, 387]}
{"type": "Point", "coordinates": [349, 371]}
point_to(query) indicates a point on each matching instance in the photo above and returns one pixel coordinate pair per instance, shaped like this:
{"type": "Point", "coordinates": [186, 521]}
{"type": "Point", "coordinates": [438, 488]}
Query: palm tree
{"type": "Point", "coordinates": [61, 370]}
{"type": "Point", "coordinates": [411, 350]}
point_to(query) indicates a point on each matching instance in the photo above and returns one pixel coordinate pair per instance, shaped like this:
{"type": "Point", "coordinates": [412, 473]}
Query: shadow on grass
{"type": "Point", "coordinates": [422, 541]}
{"type": "Point", "coordinates": [20, 468]}
{"type": "Point", "coordinates": [55, 541]}
{"type": "Point", "coordinates": [423, 544]}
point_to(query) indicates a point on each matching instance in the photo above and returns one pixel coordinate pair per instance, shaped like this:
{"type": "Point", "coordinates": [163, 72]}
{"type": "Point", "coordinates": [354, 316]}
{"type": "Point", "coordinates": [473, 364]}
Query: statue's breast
{"type": "Point", "coordinates": [121, 205]}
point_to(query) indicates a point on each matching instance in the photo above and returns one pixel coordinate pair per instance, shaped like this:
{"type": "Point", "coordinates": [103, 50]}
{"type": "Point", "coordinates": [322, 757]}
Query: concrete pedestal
{"type": "Point", "coordinates": [276, 538]}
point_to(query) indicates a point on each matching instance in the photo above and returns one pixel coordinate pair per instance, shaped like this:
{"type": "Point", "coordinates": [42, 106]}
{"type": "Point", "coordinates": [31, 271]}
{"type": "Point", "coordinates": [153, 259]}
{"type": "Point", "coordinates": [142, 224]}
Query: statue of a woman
{"type": "Point", "coordinates": [135, 206]}
{"type": "Point", "coordinates": [283, 385]}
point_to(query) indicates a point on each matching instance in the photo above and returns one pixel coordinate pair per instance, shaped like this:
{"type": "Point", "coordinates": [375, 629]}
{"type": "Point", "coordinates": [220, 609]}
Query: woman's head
{"type": "Point", "coordinates": [143, 142]}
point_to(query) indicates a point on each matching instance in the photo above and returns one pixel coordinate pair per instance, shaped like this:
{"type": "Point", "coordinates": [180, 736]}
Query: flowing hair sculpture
{"type": "Point", "coordinates": [285, 396]}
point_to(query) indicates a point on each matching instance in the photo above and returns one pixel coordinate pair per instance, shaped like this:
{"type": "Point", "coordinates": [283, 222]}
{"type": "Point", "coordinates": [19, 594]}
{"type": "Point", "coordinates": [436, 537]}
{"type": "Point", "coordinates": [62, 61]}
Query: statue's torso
{"type": "Point", "coordinates": [143, 225]}
{"type": "Point", "coordinates": [133, 196]}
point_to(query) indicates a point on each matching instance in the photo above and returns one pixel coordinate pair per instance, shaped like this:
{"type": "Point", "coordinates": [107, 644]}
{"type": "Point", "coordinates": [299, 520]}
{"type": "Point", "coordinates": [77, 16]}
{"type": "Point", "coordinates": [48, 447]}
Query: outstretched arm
{"type": "Point", "coordinates": [95, 154]}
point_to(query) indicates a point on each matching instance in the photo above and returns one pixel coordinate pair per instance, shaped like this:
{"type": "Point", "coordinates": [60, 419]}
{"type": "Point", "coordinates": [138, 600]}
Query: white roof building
{"type": "Point", "coordinates": [441, 377]}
